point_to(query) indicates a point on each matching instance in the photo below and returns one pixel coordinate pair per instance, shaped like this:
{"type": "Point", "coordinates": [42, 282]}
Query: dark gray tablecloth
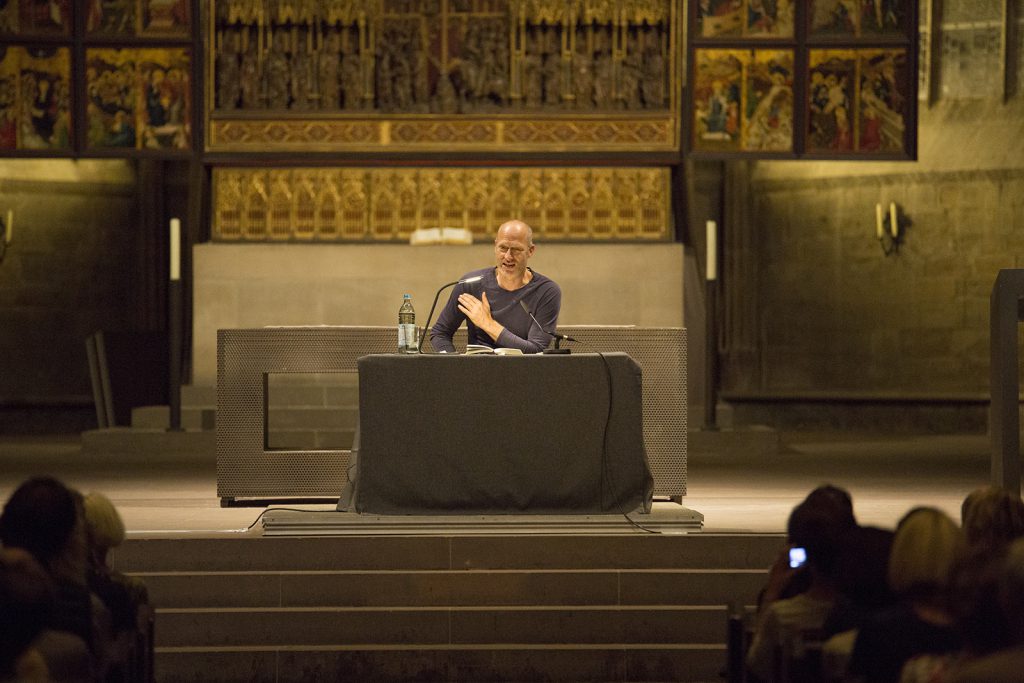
{"type": "Point", "coordinates": [500, 435]}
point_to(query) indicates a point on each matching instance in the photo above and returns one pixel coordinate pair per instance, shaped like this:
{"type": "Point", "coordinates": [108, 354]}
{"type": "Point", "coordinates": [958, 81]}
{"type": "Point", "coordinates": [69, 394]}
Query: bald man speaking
{"type": "Point", "coordinates": [497, 307]}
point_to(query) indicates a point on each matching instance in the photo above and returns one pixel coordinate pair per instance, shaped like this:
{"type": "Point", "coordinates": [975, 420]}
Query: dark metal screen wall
{"type": "Point", "coordinates": [246, 469]}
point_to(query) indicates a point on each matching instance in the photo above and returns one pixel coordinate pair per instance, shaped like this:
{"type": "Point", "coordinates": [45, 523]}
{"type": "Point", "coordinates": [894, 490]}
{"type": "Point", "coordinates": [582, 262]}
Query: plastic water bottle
{"type": "Point", "coordinates": [407, 326]}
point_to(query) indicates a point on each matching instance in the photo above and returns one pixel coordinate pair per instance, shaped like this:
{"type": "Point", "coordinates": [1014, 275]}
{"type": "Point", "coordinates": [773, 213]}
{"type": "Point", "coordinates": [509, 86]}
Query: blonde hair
{"type": "Point", "coordinates": [926, 545]}
{"type": "Point", "coordinates": [106, 529]}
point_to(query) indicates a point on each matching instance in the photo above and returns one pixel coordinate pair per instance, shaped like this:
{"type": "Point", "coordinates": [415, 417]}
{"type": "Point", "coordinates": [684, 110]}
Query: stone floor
{"type": "Point", "coordinates": [887, 475]}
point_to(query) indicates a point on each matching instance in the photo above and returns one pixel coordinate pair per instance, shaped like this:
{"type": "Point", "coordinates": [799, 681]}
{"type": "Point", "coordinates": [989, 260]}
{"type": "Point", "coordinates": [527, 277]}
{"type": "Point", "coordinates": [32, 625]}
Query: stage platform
{"type": "Point", "coordinates": [171, 489]}
{"type": "Point", "coordinates": [279, 591]}
{"type": "Point", "coordinates": [666, 518]}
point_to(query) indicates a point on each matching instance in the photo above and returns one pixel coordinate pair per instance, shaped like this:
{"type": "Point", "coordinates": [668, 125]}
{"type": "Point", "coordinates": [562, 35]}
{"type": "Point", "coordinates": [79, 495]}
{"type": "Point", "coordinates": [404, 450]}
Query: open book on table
{"type": "Point", "coordinates": [476, 349]}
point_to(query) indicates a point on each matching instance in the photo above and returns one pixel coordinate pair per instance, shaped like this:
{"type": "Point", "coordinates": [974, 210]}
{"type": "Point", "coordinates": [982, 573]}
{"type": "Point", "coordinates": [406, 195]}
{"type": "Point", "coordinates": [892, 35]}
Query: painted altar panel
{"type": "Point", "coordinates": [822, 79]}
{"type": "Point", "coordinates": [35, 100]}
{"type": "Point", "coordinates": [463, 75]}
{"type": "Point", "coordinates": [138, 98]}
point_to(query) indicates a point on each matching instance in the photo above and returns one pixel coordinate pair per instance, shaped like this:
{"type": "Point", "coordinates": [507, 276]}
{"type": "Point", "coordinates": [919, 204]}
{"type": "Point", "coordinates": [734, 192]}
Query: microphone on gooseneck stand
{"type": "Point", "coordinates": [558, 337]}
{"type": "Point", "coordinates": [426, 327]}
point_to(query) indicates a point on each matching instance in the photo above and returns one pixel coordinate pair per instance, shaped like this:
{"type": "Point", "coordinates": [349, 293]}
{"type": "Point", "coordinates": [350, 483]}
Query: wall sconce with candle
{"type": "Point", "coordinates": [890, 227]}
{"type": "Point", "coordinates": [6, 233]}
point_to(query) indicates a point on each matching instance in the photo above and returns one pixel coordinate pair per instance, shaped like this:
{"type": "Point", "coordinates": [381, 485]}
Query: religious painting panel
{"type": "Point", "coordinates": [111, 95]}
{"type": "Point", "coordinates": [884, 17]}
{"type": "Point", "coordinates": [834, 18]}
{"type": "Point", "coordinates": [882, 108]}
{"type": "Point", "coordinates": [768, 101]}
{"type": "Point", "coordinates": [745, 18]}
{"type": "Point", "coordinates": [167, 112]}
{"type": "Point", "coordinates": [48, 17]}
{"type": "Point", "coordinates": [717, 87]}
{"type": "Point", "coordinates": [165, 17]}
{"type": "Point", "coordinates": [869, 19]}
{"type": "Point", "coordinates": [8, 16]}
{"type": "Point", "coordinates": [116, 17]}
{"type": "Point", "coordinates": [138, 99]}
{"type": "Point", "coordinates": [720, 18]}
{"type": "Point", "coordinates": [9, 98]}
{"type": "Point", "coordinates": [35, 101]}
{"type": "Point", "coordinates": [769, 18]}
{"type": "Point", "coordinates": [850, 66]}
{"type": "Point", "coordinates": [833, 80]}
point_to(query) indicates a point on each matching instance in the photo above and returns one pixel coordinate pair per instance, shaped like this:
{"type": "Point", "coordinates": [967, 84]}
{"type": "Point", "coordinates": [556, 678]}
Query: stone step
{"type": "Point", "coordinates": [456, 588]}
{"type": "Point", "coordinates": [444, 663]}
{"type": "Point", "coordinates": [411, 553]}
{"type": "Point", "coordinates": [559, 625]}
{"type": "Point", "coordinates": [446, 608]}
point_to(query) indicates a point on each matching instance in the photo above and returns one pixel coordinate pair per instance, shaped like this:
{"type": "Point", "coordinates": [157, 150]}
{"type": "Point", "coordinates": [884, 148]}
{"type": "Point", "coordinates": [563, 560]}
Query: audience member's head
{"type": "Point", "coordinates": [104, 525]}
{"type": "Point", "coordinates": [40, 517]}
{"type": "Point", "coordinates": [833, 501]}
{"type": "Point", "coordinates": [814, 529]}
{"type": "Point", "coordinates": [926, 545]}
{"type": "Point", "coordinates": [992, 517]}
{"type": "Point", "coordinates": [26, 601]}
{"type": "Point", "coordinates": [974, 601]}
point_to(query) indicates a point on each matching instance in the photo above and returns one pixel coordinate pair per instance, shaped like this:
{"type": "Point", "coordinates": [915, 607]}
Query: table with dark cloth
{"type": "Point", "coordinates": [535, 434]}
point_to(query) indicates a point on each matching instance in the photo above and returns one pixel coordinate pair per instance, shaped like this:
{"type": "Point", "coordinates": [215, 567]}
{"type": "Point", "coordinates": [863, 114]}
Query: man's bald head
{"type": "Point", "coordinates": [515, 229]}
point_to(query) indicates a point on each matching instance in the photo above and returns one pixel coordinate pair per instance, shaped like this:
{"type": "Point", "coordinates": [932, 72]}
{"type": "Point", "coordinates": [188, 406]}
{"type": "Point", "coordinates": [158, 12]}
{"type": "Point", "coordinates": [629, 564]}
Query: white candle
{"type": "Point", "coordinates": [712, 264]}
{"type": "Point", "coordinates": [175, 249]}
{"type": "Point", "coordinates": [894, 228]}
{"type": "Point", "coordinates": [879, 222]}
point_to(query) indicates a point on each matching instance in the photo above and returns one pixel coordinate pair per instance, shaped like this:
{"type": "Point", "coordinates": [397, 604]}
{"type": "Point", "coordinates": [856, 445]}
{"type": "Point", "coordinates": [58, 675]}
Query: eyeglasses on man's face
{"type": "Point", "coordinates": [507, 248]}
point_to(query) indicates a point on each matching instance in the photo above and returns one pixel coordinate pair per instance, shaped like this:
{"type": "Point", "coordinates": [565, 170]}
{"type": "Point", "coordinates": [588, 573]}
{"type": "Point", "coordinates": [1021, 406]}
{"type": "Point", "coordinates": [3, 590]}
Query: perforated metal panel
{"type": "Point", "coordinates": [245, 469]}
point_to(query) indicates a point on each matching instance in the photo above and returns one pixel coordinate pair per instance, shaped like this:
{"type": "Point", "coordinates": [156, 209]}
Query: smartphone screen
{"type": "Point", "coordinates": [797, 557]}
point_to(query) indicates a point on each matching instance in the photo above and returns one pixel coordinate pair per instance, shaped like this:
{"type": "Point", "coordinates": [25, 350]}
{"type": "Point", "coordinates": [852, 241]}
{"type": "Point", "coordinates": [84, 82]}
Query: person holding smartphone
{"type": "Point", "coordinates": [812, 552]}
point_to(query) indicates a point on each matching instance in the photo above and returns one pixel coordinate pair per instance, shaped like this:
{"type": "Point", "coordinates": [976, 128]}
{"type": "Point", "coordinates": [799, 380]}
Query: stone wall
{"type": "Point", "coordinates": [836, 319]}
{"type": "Point", "coordinates": [253, 285]}
{"type": "Point", "coordinates": [67, 273]}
